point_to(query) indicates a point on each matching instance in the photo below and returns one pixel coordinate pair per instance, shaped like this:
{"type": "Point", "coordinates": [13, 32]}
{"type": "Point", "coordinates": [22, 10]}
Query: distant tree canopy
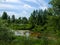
{"type": "Point", "coordinates": [38, 17]}
{"type": "Point", "coordinates": [13, 18]}
{"type": "Point", "coordinates": [4, 15]}
{"type": "Point", "coordinates": [24, 20]}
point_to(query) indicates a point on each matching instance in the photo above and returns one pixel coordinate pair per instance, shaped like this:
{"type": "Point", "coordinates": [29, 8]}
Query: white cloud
{"type": "Point", "coordinates": [22, 6]}
{"type": "Point", "coordinates": [6, 6]}
{"type": "Point", "coordinates": [10, 6]}
{"type": "Point", "coordinates": [42, 4]}
{"type": "Point", "coordinates": [43, 8]}
{"type": "Point", "coordinates": [32, 1]}
{"type": "Point", "coordinates": [14, 1]}
{"type": "Point", "coordinates": [24, 12]}
{"type": "Point", "coordinates": [27, 6]}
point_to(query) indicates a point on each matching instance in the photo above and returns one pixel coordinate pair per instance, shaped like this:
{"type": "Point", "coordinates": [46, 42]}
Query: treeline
{"type": "Point", "coordinates": [12, 19]}
{"type": "Point", "coordinates": [22, 23]}
{"type": "Point", "coordinates": [37, 18]}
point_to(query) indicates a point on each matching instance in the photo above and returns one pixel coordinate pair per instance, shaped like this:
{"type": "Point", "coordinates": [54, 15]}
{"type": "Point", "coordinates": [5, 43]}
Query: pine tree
{"type": "Point", "coordinates": [4, 15]}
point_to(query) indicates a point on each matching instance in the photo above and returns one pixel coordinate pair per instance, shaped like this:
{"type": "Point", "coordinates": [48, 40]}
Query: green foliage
{"type": "Point", "coordinates": [6, 35]}
{"type": "Point", "coordinates": [4, 15]}
{"type": "Point", "coordinates": [19, 20]}
{"type": "Point", "coordinates": [38, 17]}
{"type": "Point", "coordinates": [21, 26]}
{"type": "Point", "coordinates": [56, 6]}
{"type": "Point", "coordinates": [24, 20]}
{"type": "Point", "coordinates": [13, 18]}
{"type": "Point", "coordinates": [8, 20]}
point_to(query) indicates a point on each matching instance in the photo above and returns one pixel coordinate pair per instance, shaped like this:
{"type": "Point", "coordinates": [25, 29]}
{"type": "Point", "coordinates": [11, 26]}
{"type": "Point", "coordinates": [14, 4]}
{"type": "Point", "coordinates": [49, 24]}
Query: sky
{"type": "Point", "coordinates": [22, 8]}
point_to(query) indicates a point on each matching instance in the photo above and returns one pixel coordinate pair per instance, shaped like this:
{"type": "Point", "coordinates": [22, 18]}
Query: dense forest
{"type": "Point", "coordinates": [46, 22]}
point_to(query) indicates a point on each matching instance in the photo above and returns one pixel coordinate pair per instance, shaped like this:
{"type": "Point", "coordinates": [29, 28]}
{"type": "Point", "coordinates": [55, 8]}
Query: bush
{"type": "Point", "coordinates": [21, 27]}
{"type": "Point", "coordinates": [6, 35]}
